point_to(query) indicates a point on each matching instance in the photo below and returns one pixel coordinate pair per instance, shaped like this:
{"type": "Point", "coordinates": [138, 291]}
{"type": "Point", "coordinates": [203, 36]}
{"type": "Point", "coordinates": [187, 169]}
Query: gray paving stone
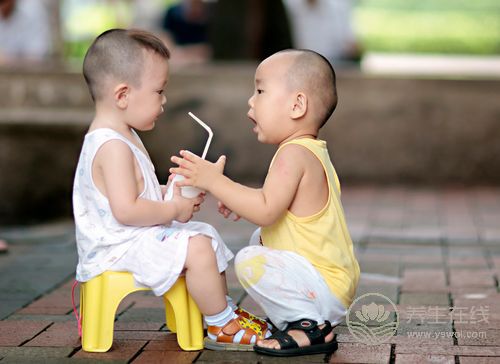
{"type": "Point", "coordinates": [434, 299]}
{"type": "Point", "coordinates": [35, 352]}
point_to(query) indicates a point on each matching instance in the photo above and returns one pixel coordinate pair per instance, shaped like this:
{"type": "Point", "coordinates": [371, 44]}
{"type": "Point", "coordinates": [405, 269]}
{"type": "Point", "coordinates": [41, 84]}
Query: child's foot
{"type": "Point", "coordinates": [301, 337]}
{"type": "Point", "coordinates": [264, 325]}
{"type": "Point", "coordinates": [239, 334]}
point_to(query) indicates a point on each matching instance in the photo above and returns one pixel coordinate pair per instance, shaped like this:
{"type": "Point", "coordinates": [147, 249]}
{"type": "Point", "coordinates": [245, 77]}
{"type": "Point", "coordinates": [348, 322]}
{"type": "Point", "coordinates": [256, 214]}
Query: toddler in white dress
{"type": "Point", "coordinates": [122, 221]}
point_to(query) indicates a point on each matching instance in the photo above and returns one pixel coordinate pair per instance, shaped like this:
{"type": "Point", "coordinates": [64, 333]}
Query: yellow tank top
{"type": "Point", "coordinates": [322, 238]}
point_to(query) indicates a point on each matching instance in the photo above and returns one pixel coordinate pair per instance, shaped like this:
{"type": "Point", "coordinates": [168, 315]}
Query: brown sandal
{"type": "Point", "coordinates": [224, 337]}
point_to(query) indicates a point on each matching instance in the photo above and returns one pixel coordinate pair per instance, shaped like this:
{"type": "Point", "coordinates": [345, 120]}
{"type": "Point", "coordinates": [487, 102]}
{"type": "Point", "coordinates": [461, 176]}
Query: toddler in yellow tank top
{"type": "Point", "coordinates": [304, 272]}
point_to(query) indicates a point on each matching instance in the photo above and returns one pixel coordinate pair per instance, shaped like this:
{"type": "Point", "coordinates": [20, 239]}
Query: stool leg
{"type": "Point", "coordinates": [99, 300]}
{"type": "Point", "coordinates": [98, 315]}
{"type": "Point", "coordinates": [195, 324]}
{"type": "Point", "coordinates": [184, 316]}
{"type": "Point", "coordinates": [170, 315]}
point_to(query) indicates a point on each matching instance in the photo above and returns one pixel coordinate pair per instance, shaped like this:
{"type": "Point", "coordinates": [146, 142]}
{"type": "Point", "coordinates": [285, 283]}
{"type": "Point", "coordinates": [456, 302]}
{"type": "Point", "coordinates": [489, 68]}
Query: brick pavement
{"type": "Point", "coordinates": [435, 253]}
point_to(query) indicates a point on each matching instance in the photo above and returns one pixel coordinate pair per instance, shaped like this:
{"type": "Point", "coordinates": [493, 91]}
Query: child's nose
{"type": "Point", "coordinates": [250, 101]}
{"type": "Point", "coordinates": [164, 101]}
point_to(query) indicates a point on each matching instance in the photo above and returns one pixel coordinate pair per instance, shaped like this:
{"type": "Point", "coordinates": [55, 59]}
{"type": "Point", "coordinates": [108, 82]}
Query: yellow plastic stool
{"type": "Point", "coordinates": [100, 297]}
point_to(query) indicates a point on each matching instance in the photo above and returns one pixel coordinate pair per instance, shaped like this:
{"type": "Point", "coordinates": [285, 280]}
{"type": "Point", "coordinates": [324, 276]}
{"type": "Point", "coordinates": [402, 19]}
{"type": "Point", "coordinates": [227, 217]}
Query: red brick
{"type": "Point", "coordinates": [423, 280]}
{"type": "Point", "coordinates": [424, 259]}
{"type": "Point", "coordinates": [137, 326]}
{"type": "Point", "coordinates": [60, 334]}
{"type": "Point", "coordinates": [449, 350]}
{"type": "Point", "coordinates": [164, 345]}
{"type": "Point", "coordinates": [471, 337]}
{"type": "Point", "coordinates": [14, 333]}
{"type": "Point", "coordinates": [471, 278]}
{"type": "Point", "coordinates": [401, 339]}
{"type": "Point", "coordinates": [148, 301]}
{"type": "Point", "coordinates": [421, 359]}
{"type": "Point", "coordinates": [490, 234]}
{"type": "Point", "coordinates": [361, 353]}
{"type": "Point", "coordinates": [144, 335]}
{"type": "Point", "coordinates": [121, 350]}
{"type": "Point", "coordinates": [467, 262]}
{"type": "Point", "coordinates": [56, 299]}
{"type": "Point", "coordinates": [167, 357]}
{"type": "Point", "coordinates": [475, 296]}
{"type": "Point", "coordinates": [496, 261]}
{"type": "Point", "coordinates": [478, 360]}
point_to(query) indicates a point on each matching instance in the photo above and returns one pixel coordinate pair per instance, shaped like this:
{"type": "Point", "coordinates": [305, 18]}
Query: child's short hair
{"type": "Point", "coordinates": [315, 72]}
{"type": "Point", "coordinates": [118, 53]}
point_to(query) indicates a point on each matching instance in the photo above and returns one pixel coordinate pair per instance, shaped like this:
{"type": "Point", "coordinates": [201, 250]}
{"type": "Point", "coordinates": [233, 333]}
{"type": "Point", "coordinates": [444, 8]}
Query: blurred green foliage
{"type": "Point", "coordinates": [429, 26]}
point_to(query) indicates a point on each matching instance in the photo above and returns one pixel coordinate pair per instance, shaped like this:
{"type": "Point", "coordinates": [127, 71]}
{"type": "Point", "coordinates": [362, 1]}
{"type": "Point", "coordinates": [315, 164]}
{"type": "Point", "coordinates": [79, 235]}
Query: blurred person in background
{"type": "Point", "coordinates": [185, 26]}
{"type": "Point", "coordinates": [25, 33]}
{"type": "Point", "coordinates": [249, 29]}
{"type": "Point", "coordinates": [4, 247]}
{"type": "Point", "coordinates": [324, 26]}
{"type": "Point", "coordinates": [24, 37]}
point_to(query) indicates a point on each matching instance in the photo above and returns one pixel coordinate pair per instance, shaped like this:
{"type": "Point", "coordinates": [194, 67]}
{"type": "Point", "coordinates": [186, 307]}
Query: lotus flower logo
{"type": "Point", "coordinates": [372, 323]}
{"type": "Point", "coordinates": [372, 312]}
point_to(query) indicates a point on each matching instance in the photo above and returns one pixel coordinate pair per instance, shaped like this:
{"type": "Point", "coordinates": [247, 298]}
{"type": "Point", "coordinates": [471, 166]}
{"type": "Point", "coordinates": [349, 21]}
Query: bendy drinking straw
{"type": "Point", "coordinates": [207, 128]}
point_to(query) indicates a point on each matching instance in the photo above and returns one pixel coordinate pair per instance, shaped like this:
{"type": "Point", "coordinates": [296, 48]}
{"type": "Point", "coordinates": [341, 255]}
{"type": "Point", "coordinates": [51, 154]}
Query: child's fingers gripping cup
{"type": "Point", "coordinates": [190, 191]}
{"type": "Point", "coordinates": [186, 191]}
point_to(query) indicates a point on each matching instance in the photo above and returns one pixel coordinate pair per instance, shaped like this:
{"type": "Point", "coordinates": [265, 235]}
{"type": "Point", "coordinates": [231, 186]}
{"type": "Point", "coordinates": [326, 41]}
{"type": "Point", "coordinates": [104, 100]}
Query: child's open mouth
{"type": "Point", "coordinates": [254, 122]}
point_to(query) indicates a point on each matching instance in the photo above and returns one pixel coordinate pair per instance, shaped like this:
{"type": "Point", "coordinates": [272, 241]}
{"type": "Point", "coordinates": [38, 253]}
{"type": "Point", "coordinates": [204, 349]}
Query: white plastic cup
{"type": "Point", "coordinates": [186, 191]}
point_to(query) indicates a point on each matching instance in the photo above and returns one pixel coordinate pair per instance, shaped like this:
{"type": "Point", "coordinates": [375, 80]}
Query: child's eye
{"type": "Point", "coordinates": [160, 92]}
{"type": "Point", "coordinates": [259, 91]}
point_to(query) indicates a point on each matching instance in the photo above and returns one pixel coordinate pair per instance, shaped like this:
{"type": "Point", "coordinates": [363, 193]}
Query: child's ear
{"type": "Point", "coordinates": [121, 93]}
{"type": "Point", "coordinates": [299, 106]}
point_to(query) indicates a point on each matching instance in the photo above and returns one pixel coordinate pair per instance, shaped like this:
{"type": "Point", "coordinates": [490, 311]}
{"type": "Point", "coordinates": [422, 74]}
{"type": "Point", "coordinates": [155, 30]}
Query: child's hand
{"type": "Point", "coordinates": [197, 171]}
{"type": "Point", "coordinates": [186, 207]}
{"type": "Point", "coordinates": [223, 210]}
{"type": "Point", "coordinates": [164, 188]}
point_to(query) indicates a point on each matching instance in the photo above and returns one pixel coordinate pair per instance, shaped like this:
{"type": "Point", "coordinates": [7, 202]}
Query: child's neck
{"type": "Point", "coordinates": [299, 136]}
{"type": "Point", "coordinates": [110, 121]}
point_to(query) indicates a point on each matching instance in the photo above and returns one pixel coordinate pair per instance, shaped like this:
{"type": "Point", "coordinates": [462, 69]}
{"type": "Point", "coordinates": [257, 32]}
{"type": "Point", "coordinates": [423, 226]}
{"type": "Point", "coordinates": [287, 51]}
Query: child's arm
{"type": "Point", "coordinates": [262, 206]}
{"type": "Point", "coordinates": [224, 211]}
{"type": "Point", "coordinates": [114, 167]}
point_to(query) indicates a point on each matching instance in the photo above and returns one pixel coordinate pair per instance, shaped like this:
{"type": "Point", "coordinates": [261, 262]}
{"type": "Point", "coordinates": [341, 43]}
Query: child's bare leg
{"type": "Point", "coordinates": [208, 288]}
{"type": "Point", "coordinates": [205, 284]}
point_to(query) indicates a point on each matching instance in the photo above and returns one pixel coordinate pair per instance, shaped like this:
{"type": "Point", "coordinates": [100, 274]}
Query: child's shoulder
{"type": "Point", "coordinates": [291, 156]}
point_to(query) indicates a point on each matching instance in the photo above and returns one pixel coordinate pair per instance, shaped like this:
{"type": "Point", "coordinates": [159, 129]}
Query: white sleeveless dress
{"type": "Point", "coordinates": [155, 255]}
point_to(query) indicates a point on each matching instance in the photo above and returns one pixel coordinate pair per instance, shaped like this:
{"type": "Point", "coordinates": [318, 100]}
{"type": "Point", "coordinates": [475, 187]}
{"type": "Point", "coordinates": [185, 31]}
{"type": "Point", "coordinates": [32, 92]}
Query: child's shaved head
{"type": "Point", "coordinates": [313, 73]}
{"type": "Point", "coordinates": [118, 54]}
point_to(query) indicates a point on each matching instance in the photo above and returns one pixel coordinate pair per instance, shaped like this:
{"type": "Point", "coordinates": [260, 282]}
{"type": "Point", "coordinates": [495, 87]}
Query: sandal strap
{"type": "Point", "coordinates": [311, 329]}
{"type": "Point", "coordinates": [284, 339]}
{"type": "Point", "coordinates": [226, 333]}
{"type": "Point", "coordinates": [242, 312]}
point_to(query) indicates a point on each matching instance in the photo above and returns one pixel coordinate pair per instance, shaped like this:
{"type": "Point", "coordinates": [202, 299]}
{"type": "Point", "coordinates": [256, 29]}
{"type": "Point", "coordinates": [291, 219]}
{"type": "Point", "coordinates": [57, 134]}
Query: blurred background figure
{"type": "Point", "coordinates": [25, 33]}
{"type": "Point", "coordinates": [185, 26]}
{"type": "Point", "coordinates": [4, 247]}
{"type": "Point", "coordinates": [249, 29]}
{"type": "Point", "coordinates": [325, 27]}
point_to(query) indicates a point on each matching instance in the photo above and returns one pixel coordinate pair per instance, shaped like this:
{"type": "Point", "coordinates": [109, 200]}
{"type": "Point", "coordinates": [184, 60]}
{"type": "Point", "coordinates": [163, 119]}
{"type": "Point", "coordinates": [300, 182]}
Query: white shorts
{"type": "Point", "coordinates": [286, 286]}
{"type": "Point", "coordinates": [157, 261]}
